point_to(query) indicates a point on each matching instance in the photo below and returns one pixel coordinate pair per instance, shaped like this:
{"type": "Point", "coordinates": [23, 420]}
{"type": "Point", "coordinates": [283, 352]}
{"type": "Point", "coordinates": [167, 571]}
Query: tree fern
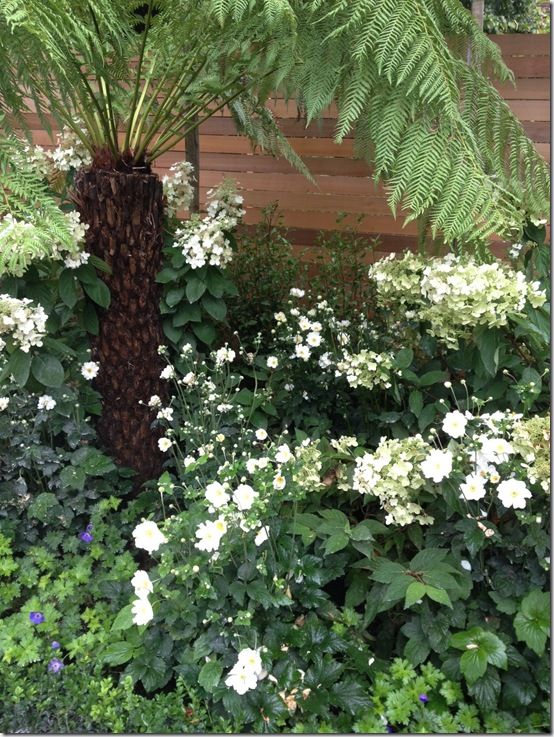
{"type": "Point", "coordinates": [25, 197]}
{"type": "Point", "coordinates": [422, 117]}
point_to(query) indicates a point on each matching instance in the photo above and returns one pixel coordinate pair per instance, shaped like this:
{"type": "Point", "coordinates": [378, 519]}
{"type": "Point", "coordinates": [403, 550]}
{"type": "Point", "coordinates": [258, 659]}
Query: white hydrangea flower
{"type": "Point", "coordinates": [148, 536]}
{"type": "Point", "coordinates": [513, 493]}
{"type": "Point", "coordinates": [25, 324]}
{"type": "Point", "coordinates": [142, 584]}
{"type": "Point", "coordinates": [142, 611]}
{"type": "Point", "coordinates": [46, 402]}
{"type": "Point", "coordinates": [177, 187]}
{"type": "Point", "coordinates": [90, 370]}
{"type": "Point", "coordinates": [216, 494]}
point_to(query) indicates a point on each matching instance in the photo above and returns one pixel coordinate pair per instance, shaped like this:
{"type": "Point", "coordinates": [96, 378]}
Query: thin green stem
{"type": "Point", "coordinates": [138, 72]}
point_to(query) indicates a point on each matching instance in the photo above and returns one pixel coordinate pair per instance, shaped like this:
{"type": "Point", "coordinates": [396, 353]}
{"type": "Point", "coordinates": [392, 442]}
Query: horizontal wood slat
{"type": "Point", "coordinates": [341, 184]}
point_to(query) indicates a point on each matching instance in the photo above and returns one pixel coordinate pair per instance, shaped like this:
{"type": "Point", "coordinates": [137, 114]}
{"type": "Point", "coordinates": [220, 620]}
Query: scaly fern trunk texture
{"type": "Point", "coordinates": [124, 214]}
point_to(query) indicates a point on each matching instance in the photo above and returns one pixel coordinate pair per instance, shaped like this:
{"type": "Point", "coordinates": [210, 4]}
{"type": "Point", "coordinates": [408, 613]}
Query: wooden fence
{"type": "Point", "coordinates": [341, 183]}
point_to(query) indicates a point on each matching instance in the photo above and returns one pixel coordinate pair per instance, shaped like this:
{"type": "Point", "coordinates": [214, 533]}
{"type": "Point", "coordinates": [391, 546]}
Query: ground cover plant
{"type": "Point", "coordinates": [332, 517]}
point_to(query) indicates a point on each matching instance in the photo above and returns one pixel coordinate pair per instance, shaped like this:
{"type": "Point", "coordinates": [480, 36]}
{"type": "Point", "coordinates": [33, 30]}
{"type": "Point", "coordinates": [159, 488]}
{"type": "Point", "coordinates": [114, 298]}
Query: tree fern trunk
{"type": "Point", "coordinates": [124, 214]}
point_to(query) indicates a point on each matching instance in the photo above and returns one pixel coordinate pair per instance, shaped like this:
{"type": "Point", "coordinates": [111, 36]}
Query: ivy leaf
{"type": "Point", "coordinates": [532, 622]}
{"type": "Point", "coordinates": [210, 675]}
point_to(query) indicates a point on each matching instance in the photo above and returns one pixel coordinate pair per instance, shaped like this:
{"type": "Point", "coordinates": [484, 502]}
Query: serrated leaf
{"type": "Point", "coordinates": [350, 696]}
{"type": "Point", "coordinates": [532, 622]}
{"type": "Point", "coordinates": [124, 619]}
{"type": "Point", "coordinates": [473, 664]}
{"type": "Point", "coordinates": [118, 653]}
{"type": "Point", "coordinates": [210, 675]}
{"type": "Point", "coordinates": [336, 542]}
{"type": "Point", "coordinates": [438, 595]}
{"type": "Point", "coordinates": [414, 593]}
{"type": "Point", "coordinates": [485, 690]}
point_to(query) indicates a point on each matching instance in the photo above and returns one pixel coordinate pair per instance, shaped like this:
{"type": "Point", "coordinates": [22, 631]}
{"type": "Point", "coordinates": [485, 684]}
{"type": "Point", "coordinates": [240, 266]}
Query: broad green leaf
{"type": "Point", "coordinates": [336, 542]}
{"type": "Point", "coordinates": [73, 477]}
{"type": "Point", "coordinates": [174, 296]}
{"type": "Point", "coordinates": [415, 402]}
{"type": "Point", "coordinates": [124, 619]}
{"type": "Point", "coordinates": [438, 595]}
{"type": "Point", "coordinates": [486, 690]}
{"type": "Point", "coordinates": [404, 358]}
{"type": "Point", "coordinates": [432, 377]}
{"type": "Point", "coordinates": [185, 314]}
{"type": "Point", "coordinates": [428, 559]}
{"type": "Point", "coordinates": [416, 650]}
{"type": "Point", "coordinates": [532, 622]}
{"type": "Point", "coordinates": [473, 664]}
{"type": "Point", "coordinates": [426, 417]}
{"type": "Point", "coordinates": [195, 288]}
{"type": "Point", "coordinates": [118, 653]}
{"type": "Point", "coordinates": [204, 331]}
{"type": "Point", "coordinates": [216, 308]}
{"type": "Point", "coordinates": [19, 366]}
{"type": "Point", "coordinates": [210, 675]}
{"type": "Point", "coordinates": [48, 370]}
{"type": "Point", "coordinates": [98, 292]}
{"type": "Point", "coordinates": [167, 275]}
{"type": "Point", "coordinates": [414, 593]}
{"type": "Point", "coordinates": [385, 570]}
{"type": "Point", "coordinates": [67, 288]}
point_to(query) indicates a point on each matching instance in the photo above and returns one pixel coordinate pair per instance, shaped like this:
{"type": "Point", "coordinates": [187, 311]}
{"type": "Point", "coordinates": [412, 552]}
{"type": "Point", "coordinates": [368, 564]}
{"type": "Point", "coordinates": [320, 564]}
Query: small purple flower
{"type": "Point", "coordinates": [55, 665]}
{"type": "Point", "coordinates": [36, 617]}
{"type": "Point", "coordinates": [86, 537]}
{"type": "Point", "coordinates": [55, 645]}
{"type": "Point", "coordinates": [89, 527]}
{"type": "Point", "coordinates": [390, 728]}
{"type": "Point", "coordinates": [423, 698]}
